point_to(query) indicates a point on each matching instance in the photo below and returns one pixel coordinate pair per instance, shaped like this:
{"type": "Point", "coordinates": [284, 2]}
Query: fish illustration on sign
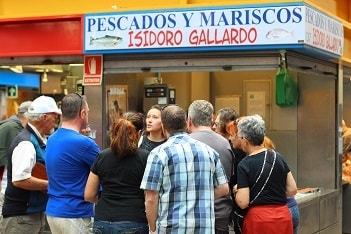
{"type": "Point", "coordinates": [106, 41]}
{"type": "Point", "coordinates": [279, 34]}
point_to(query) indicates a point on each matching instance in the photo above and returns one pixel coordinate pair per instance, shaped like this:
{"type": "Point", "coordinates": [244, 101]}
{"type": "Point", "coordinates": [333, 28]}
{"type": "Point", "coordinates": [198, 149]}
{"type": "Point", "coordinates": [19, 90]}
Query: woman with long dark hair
{"type": "Point", "coordinates": [153, 136]}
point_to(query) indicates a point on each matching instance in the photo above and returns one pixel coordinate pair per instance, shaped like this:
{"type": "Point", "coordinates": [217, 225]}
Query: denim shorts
{"type": "Point", "coordinates": [124, 227]}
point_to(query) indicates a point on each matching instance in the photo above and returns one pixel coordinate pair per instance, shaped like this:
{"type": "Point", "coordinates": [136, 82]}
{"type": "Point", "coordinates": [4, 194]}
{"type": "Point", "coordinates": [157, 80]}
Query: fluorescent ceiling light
{"type": "Point", "coordinates": [17, 69]}
{"type": "Point", "coordinates": [76, 65]}
{"type": "Point", "coordinates": [45, 77]}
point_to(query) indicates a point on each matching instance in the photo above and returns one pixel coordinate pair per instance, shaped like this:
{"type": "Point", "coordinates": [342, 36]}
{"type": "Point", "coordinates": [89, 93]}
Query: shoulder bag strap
{"type": "Point", "coordinates": [231, 176]}
{"type": "Point", "coordinates": [232, 166]}
{"type": "Point", "coordinates": [140, 140]}
{"type": "Point", "coordinates": [267, 167]}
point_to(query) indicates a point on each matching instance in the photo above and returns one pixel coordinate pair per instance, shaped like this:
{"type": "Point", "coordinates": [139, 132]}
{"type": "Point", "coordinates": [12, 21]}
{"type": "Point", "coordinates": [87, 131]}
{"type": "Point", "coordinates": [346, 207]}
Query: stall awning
{"type": "Point", "coordinates": [216, 61]}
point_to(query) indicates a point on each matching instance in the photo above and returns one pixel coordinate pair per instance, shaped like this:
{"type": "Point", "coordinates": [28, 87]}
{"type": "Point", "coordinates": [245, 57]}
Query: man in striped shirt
{"type": "Point", "coordinates": [182, 178]}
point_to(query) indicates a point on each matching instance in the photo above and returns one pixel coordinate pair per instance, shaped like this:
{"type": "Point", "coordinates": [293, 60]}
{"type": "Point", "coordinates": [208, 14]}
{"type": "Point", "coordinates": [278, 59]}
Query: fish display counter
{"type": "Point", "coordinates": [306, 194]}
{"type": "Point", "coordinates": [317, 210]}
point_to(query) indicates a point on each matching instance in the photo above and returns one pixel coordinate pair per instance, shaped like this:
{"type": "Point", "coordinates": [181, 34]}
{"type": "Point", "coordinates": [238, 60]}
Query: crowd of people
{"type": "Point", "coordinates": [173, 170]}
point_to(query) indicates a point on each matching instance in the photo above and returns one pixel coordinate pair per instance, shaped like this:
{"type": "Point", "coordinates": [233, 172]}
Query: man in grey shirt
{"type": "Point", "coordinates": [200, 115]}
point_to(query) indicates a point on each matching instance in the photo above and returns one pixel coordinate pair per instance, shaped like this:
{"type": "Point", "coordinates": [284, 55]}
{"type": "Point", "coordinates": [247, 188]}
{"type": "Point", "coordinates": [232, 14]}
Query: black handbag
{"type": "Point", "coordinates": [239, 214]}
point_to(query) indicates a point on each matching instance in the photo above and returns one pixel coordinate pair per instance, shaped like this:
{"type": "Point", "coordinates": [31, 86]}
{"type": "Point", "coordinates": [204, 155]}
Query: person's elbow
{"type": "Point", "coordinates": [242, 198]}
{"type": "Point", "coordinates": [91, 188]}
{"type": "Point", "coordinates": [242, 204]}
{"type": "Point", "coordinates": [291, 187]}
{"type": "Point", "coordinates": [291, 191]}
{"type": "Point", "coordinates": [221, 190]}
{"type": "Point", "coordinates": [151, 198]}
{"type": "Point", "coordinates": [89, 197]}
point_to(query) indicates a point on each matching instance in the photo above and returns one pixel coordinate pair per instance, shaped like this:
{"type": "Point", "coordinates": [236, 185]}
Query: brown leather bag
{"type": "Point", "coordinates": [39, 171]}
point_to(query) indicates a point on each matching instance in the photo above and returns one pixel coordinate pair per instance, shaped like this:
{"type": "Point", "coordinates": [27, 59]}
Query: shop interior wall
{"type": "Point", "coordinates": [283, 129]}
{"type": "Point", "coordinates": [135, 88]}
{"type": "Point", "coordinates": [316, 131]}
{"type": "Point", "coordinates": [53, 85]}
{"type": "Point", "coordinates": [200, 85]}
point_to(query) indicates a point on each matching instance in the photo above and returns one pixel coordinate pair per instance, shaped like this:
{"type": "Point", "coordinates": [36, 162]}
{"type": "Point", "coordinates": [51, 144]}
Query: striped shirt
{"type": "Point", "coordinates": [184, 171]}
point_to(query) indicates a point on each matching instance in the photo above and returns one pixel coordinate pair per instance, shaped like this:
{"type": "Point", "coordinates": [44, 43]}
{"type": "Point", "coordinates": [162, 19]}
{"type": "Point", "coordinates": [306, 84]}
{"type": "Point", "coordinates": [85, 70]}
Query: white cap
{"type": "Point", "coordinates": [42, 105]}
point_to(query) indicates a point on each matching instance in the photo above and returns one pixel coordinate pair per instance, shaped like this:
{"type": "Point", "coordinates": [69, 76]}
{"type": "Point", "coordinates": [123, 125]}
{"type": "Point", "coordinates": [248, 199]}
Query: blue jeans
{"type": "Point", "coordinates": [295, 214]}
{"type": "Point", "coordinates": [125, 227]}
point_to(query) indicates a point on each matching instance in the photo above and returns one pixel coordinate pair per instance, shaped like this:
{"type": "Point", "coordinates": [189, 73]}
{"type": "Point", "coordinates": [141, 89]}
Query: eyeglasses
{"type": "Point", "coordinates": [215, 124]}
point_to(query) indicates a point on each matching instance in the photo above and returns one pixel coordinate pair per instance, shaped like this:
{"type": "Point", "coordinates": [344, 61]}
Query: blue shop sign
{"type": "Point", "coordinates": [26, 80]}
{"type": "Point", "coordinates": [242, 27]}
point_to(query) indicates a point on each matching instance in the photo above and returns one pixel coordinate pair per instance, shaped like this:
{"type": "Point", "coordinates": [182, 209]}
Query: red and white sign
{"type": "Point", "coordinates": [93, 68]}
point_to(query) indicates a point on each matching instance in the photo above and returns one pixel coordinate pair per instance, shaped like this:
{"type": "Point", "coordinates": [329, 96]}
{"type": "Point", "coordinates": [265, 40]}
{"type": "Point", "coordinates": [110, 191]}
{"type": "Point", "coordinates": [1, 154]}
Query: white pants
{"type": "Point", "coordinates": [70, 225]}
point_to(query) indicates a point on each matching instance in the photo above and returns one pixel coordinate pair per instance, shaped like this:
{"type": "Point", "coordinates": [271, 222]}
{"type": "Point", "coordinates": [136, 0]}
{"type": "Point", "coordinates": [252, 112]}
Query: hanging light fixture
{"type": "Point", "coordinates": [17, 69]}
{"type": "Point", "coordinates": [45, 76]}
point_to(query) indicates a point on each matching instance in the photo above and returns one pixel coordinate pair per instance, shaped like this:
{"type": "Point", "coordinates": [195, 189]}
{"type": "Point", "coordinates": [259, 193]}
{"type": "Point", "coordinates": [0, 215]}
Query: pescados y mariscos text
{"type": "Point", "coordinates": [203, 28]}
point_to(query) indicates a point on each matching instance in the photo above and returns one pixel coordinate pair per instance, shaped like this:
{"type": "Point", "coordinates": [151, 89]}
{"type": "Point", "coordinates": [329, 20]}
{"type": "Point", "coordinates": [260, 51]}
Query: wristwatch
{"type": "Point", "coordinates": [152, 232]}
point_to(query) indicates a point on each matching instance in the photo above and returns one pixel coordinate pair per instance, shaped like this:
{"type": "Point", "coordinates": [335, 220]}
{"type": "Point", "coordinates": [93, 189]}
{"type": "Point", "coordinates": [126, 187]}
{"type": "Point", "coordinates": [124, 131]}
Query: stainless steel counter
{"type": "Point", "coordinates": [304, 197]}
{"type": "Point", "coordinates": [319, 212]}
